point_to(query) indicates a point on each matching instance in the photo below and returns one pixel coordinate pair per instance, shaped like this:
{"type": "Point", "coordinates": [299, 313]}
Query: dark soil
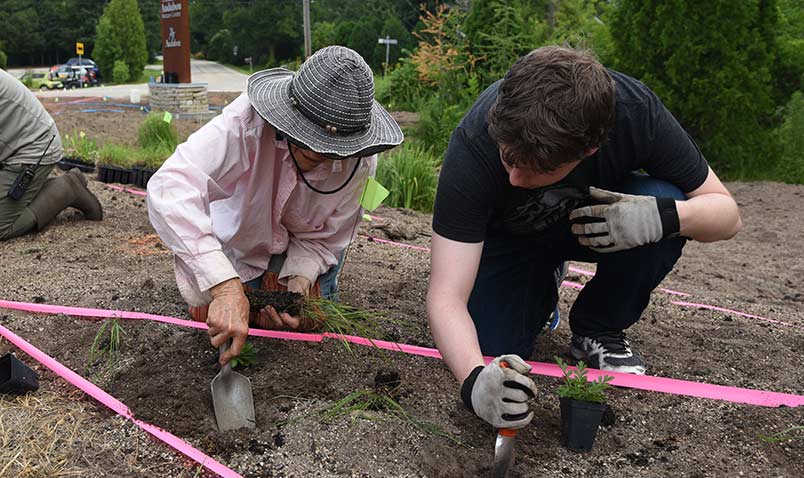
{"type": "Point", "coordinates": [282, 301]}
{"type": "Point", "coordinates": [164, 371]}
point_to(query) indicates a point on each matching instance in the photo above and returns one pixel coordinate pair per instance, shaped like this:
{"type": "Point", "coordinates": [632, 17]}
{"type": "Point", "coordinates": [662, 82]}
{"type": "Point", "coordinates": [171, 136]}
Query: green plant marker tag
{"type": "Point", "coordinates": [366, 217]}
{"type": "Point", "coordinates": [373, 195]}
{"type": "Point", "coordinates": [168, 117]}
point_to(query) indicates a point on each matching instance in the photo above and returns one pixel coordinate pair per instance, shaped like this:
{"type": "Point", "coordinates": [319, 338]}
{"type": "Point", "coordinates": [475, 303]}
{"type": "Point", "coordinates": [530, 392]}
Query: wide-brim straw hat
{"type": "Point", "coordinates": [327, 106]}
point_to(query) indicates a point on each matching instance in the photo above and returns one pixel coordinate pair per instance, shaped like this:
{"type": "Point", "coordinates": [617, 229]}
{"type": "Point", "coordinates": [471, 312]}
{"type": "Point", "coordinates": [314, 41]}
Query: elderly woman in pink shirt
{"type": "Point", "coordinates": [269, 191]}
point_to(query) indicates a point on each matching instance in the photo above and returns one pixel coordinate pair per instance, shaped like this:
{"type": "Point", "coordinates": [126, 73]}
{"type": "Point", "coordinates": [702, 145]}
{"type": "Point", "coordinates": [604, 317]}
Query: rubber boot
{"type": "Point", "coordinates": [59, 193]}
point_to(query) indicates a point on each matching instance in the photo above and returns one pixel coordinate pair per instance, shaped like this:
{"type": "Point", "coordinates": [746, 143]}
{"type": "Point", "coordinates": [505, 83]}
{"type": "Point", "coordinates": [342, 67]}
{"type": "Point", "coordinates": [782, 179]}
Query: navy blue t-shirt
{"type": "Point", "coordinates": [475, 198]}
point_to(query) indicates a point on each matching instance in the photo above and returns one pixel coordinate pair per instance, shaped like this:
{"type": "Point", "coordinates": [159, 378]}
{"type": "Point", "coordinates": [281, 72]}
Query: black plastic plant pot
{"type": "Point", "coordinates": [15, 376]}
{"type": "Point", "coordinates": [68, 163]}
{"type": "Point", "coordinates": [579, 423]}
{"type": "Point", "coordinates": [112, 174]}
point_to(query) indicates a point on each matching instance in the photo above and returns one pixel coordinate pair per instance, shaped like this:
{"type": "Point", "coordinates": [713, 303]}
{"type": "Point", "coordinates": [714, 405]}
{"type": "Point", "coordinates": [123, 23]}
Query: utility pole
{"type": "Point", "coordinates": [307, 40]}
{"type": "Point", "coordinates": [387, 41]}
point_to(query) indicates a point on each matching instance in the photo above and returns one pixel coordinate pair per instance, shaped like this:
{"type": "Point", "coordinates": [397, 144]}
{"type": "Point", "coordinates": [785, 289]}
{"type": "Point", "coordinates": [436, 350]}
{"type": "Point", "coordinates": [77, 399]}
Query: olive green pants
{"type": "Point", "coordinates": [15, 217]}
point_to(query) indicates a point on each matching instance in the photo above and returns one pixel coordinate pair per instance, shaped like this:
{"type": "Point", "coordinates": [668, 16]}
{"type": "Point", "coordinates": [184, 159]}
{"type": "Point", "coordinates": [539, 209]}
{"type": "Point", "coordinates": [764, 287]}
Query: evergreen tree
{"type": "Point", "coordinates": [107, 47]}
{"type": "Point", "coordinates": [710, 64]}
{"type": "Point", "coordinates": [497, 36]}
{"type": "Point", "coordinates": [128, 28]}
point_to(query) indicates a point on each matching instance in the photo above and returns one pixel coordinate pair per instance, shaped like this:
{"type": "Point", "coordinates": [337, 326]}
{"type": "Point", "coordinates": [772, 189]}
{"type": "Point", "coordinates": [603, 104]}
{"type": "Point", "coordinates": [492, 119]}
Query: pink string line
{"type": "Point", "coordinates": [730, 311]}
{"type": "Point", "coordinates": [127, 190]}
{"type": "Point", "coordinates": [592, 274]}
{"type": "Point", "coordinates": [119, 407]}
{"type": "Point", "coordinates": [641, 382]}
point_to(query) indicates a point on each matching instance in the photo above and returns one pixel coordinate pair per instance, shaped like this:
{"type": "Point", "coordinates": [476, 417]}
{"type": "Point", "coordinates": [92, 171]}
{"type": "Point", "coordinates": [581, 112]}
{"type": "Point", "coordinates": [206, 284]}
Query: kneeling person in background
{"type": "Point", "coordinates": [29, 147]}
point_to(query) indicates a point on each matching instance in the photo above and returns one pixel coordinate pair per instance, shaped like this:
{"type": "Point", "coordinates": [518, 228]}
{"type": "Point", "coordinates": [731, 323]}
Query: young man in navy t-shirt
{"type": "Point", "coordinates": [561, 160]}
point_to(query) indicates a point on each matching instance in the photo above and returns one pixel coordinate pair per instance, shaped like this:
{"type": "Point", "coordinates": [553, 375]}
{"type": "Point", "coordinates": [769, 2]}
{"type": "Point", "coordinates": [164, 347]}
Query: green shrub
{"type": "Point", "coordinates": [118, 155]}
{"type": "Point", "coordinates": [401, 90]}
{"type": "Point", "coordinates": [410, 173]}
{"type": "Point", "coordinates": [3, 60]}
{"type": "Point", "coordinates": [790, 167]}
{"type": "Point", "coordinates": [156, 134]}
{"type": "Point", "coordinates": [120, 72]}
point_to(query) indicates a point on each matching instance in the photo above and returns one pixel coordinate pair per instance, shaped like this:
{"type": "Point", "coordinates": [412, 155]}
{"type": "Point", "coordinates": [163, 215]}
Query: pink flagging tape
{"type": "Point", "coordinates": [640, 382]}
{"type": "Point", "coordinates": [119, 407]}
{"type": "Point", "coordinates": [680, 387]}
{"type": "Point", "coordinates": [86, 312]}
{"type": "Point", "coordinates": [127, 190]}
{"type": "Point", "coordinates": [383, 344]}
{"type": "Point", "coordinates": [730, 311]}
{"type": "Point", "coordinates": [644, 382]}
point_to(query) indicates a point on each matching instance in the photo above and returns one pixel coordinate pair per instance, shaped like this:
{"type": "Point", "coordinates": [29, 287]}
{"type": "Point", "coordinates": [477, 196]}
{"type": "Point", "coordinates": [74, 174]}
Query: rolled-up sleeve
{"type": "Point", "coordinates": [203, 169]}
{"type": "Point", "coordinates": [312, 253]}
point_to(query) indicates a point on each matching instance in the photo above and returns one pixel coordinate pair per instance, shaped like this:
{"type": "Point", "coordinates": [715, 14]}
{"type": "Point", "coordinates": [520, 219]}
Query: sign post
{"type": "Point", "coordinates": [79, 50]}
{"type": "Point", "coordinates": [175, 18]}
{"type": "Point", "coordinates": [387, 41]}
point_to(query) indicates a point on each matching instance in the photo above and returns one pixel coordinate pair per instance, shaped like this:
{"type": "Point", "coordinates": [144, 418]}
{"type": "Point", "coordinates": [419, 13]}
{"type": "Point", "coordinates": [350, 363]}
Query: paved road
{"type": "Point", "coordinates": [216, 76]}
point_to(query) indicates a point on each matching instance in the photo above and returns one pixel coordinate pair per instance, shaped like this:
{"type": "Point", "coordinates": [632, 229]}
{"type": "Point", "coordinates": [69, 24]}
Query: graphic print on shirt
{"type": "Point", "coordinates": [531, 211]}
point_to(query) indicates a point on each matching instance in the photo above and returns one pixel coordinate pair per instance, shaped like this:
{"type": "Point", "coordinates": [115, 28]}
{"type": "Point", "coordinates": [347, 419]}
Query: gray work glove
{"type": "Point", "coordinates": [623, 221]}
{"type": "Point", "coordinates": [499, 395]}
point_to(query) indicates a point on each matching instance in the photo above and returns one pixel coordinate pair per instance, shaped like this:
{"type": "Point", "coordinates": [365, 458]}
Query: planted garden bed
{"type": "Point", "coordinates": [163, 372]}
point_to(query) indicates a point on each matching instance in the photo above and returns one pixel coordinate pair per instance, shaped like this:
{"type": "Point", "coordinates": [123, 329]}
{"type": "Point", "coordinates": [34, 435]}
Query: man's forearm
{"type": "Point", "coordinates": [455, 336]}
{"type": "Point", "coordinates": [709, 217]}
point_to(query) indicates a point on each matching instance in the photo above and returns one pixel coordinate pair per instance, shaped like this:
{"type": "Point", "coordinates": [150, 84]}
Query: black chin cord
{"type": "Point", "coordinates": [301, 173]}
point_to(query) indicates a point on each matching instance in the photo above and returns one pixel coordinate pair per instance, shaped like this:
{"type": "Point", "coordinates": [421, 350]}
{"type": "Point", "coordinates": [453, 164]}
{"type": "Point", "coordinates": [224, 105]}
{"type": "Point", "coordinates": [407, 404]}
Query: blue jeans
{"type": "Point", "coordinates": [328, 281]}
{"type": "Point", "coordinates": [514, 292]}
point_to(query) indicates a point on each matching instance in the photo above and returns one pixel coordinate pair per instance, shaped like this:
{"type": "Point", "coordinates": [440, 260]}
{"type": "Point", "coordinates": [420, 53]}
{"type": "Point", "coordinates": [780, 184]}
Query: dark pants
{"type": "Point", "coordinates": [514, 292]}
{"type": "Point", "coordinates": [15, 217]}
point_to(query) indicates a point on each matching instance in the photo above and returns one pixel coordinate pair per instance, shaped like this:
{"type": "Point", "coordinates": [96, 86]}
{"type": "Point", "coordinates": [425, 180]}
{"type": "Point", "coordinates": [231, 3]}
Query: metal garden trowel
{"type": "Point", "coordinates": [232, 397]}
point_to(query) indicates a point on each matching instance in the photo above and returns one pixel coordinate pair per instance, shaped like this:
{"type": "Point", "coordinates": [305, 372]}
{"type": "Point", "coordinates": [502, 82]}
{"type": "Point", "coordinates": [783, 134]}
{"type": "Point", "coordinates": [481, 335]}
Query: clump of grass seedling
{"type": "Point", "coordinates": [107, 343]}
{"type": "Point", "coordinates": [577, 385]}
{"type": "Point", "coordinates": [791, 434]}
{"type": "Point", "coordinates": [410, 172]}
{"type": "Point", "coordinates": [118, 155]}
{"type": "Point", "coordinates": [342, 319]}
{"type": "Point", "coordinates": [156, 134]}
{"type": "Point", "coordinates": [372, 405]}
{"type": "Point", "coordinates": [247, 357]}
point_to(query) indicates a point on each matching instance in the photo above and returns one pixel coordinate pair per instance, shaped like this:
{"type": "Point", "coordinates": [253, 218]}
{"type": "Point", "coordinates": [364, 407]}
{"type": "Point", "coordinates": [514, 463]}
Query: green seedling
{"type": "Point", "coordinates": [577, 385]}
{"type": "Point", "coordinates": [371, 405]}
{"type": "Point", "coordinates": [107, 343]}
{"type": "Point", "coordinates": [247, 357]}
{"type": "Point", "coordinates": [791, 434]}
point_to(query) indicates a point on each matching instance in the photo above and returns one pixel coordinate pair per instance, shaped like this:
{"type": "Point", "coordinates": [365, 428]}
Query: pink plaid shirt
{"type": "Point", "coordinates": [230, 197]}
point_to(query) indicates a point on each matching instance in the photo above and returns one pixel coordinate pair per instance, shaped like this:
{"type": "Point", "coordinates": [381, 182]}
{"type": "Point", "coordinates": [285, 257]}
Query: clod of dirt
{"type": "Point", "coordinates": [609, 417]}
{"type": "Point", "coordinates": [387, 380]}
{"type": "Point", "coordinates": [282, 301]}
{"type": "Point", "coordinates": [148, 284]}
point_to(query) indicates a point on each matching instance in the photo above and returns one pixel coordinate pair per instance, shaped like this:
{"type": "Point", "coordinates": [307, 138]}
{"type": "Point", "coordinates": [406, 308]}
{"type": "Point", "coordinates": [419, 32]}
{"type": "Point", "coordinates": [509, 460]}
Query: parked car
{"type": "Point", "coordinates": [74, 76]}
{"type": "Point", "coordinates": [40, 81]}
{"type": "Point", "coordinates": [85, 62]}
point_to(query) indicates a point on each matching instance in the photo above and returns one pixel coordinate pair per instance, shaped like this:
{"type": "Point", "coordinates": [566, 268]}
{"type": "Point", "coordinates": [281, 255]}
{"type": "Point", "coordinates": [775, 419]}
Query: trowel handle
{"type": "Point", "coordinates": [222, 350]}
{"type": "Point", "coordinates": [506, 432]}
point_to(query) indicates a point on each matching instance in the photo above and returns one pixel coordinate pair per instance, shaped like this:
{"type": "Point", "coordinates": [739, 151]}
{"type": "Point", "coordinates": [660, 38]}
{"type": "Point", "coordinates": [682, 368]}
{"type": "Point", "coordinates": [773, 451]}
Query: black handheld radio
{"type": "Point", "coordinates": [25, 177]}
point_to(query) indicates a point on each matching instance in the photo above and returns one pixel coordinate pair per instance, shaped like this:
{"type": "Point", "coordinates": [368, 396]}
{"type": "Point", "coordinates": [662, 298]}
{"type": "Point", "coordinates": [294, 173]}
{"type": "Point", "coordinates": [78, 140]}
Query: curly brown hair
{"type": "Point", "coordinates": [553, 106]}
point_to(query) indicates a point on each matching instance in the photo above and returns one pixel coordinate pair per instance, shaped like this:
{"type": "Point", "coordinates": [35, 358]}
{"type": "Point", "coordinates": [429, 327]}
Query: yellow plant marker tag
{"type": "Point", "coordinates": [373, 195]}
{"type": "Point", "coordinates": [168, 117]}
{"type": "Point", "coordinates": [82, 135]}
{"type": "Point", "coordinates": [57, 99]}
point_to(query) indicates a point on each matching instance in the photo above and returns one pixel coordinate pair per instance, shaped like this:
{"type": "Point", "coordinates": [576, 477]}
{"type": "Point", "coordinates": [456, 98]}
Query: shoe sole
{"type": "Point", "coordinates": [579, 354]}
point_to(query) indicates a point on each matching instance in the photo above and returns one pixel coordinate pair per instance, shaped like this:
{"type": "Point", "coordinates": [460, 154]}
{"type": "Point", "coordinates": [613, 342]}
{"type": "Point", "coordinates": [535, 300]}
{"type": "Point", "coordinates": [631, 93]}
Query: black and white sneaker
{"type": "Point", "coordinates": [607, 352]}
{"type": "Point", "coordinates": [558, 276]}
